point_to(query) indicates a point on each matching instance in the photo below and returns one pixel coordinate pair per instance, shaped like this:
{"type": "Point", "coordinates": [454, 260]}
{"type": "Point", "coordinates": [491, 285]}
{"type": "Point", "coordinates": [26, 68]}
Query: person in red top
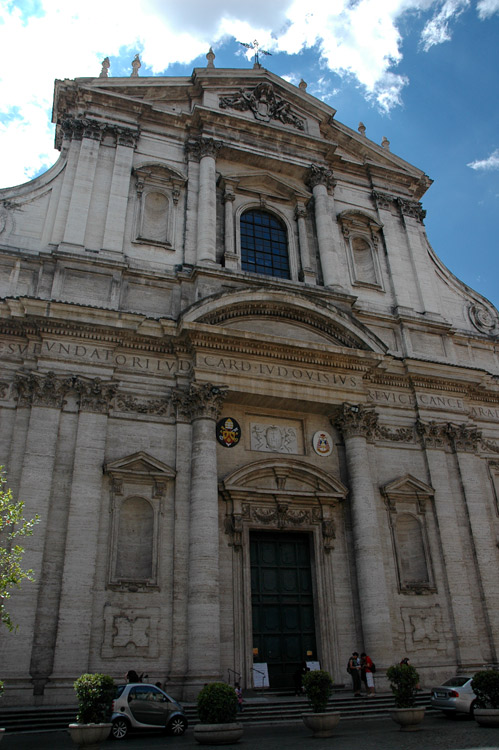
{"type": "Point", "coordinates": [366, 666]}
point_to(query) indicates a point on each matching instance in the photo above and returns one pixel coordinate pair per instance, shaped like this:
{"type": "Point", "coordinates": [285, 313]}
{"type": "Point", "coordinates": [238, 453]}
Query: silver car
{"type": "Point", "coordinates": [454, 696]}
{"type": "Point", "coordinates": [142, 706]}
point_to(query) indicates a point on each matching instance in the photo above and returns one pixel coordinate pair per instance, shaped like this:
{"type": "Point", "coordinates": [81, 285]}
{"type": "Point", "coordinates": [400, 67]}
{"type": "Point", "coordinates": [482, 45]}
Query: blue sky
{"type": "Point", "coordinates": [423, 73]}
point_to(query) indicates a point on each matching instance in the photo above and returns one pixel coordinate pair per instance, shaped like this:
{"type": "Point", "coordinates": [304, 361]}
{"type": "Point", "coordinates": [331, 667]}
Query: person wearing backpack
{"type": "Point", "coordinates": [353, 669]}
{"type": "Point", "coordinates": [368, 669]}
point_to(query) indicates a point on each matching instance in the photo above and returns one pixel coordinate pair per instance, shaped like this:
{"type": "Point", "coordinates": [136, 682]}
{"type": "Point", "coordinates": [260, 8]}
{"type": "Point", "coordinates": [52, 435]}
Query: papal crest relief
{"type": "Point", "coordinates": [265, 104]}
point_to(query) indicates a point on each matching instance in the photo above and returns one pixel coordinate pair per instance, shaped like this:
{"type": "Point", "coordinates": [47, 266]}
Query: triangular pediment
{"type": "Point", "coordinates": [266, 184]}
{"type": "Point", "coordinates": [139, 465]}
{"type": "Point", "coordinates": [407, 486]}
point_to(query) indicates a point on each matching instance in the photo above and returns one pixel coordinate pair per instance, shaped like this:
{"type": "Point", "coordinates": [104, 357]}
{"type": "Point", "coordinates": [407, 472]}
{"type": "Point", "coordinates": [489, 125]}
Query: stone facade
{"type": "Point", "coordinates": [166, 408]}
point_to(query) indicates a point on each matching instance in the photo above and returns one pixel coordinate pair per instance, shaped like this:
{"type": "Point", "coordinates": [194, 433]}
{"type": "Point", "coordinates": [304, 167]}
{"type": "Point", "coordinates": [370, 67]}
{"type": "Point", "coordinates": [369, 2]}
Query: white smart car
{"type": "Point", "coordinates": [142, 706]}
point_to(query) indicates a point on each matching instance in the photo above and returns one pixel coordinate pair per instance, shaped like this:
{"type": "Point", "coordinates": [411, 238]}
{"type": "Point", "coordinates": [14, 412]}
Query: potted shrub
{"type": "Point", "coordinates": [217, 710]}
{"type": "Point", "coordinates": [485, 685]}
{"type": "Point", "coordinates": [404, 681]}
{"type": "Point", "coordinates": [95, 693]}
{"type": "Point", "coordinates": [318, 686]}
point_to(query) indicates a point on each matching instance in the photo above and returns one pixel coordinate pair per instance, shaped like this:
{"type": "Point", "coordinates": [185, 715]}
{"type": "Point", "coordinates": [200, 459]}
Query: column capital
{"type": "Point", "coordinates": [37, 389]}
{"type": "Point", "coordinates": [413, 209]}
{"type": "Point", "coordinates": [320, 175]}
{"type": "Point", "coordinates": [200, 400]}
{"type": "Point", "coordinates": [126, 136]}
{"type": "Point", "coordinates": [356, 420]}
{"type": "Point", "coordinates": [200, 147]}
{"type": "Point", "coordinates": [464, 438]}
{"type": "Point", "coordinates": [300, 211]}
{"type": "Point", "coordinates": [95, 395]}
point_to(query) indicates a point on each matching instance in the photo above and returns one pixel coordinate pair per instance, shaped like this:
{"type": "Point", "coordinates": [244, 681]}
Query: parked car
{"type": "Point", "coordinates": [142, 706]}
{"type": "Point", "coordinates": [454, 696]}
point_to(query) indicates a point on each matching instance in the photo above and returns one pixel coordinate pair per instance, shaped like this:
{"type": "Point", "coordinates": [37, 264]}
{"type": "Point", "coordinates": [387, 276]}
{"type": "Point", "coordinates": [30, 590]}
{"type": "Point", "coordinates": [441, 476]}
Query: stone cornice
{"type": "Point", "coordinates": [268, 349]}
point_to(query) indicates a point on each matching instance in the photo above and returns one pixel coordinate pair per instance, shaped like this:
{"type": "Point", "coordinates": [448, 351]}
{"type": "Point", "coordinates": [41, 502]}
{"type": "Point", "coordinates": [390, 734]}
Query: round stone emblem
{"type": "Point", "coordinates": [482, 318]}
{"type": "Point", "coordinates": [228, 432]}
{"type": "Point", "coordinates": [322, 443]}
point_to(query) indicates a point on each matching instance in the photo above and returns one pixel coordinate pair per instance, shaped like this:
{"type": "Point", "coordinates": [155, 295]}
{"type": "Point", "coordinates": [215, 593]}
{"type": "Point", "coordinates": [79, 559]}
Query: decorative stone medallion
{"type": "Point", "coordinates": [228, 432]}
{"type": "Point", "coordinates": [482, 318]}
{"type": "Point", "coordinates": [322, 443]}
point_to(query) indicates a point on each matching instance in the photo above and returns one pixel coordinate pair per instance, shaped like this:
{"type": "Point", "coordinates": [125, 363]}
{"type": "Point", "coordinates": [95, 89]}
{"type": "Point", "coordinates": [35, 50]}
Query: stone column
{"type": "Point", "coordinates": [191, 205]}
{"type": "Point", "coordinates": [412, 216]}
{"type": "Point", "coordinates": [179, 662]}
{"type": "Point", "coordinates": [76, 222]}
{"type": "Point", "coordinates": [202, 403]}
{"type": "Point", "coordinates": [231, 258]}
{"type": "Point", "coordinates": [456, 581]}
{"type": "Point", "coordinates": [74, 633]}
{"type": "Point", "coordinates": [320, 179]}
{"type": "Point", "coordinates": [358, 425]}
{"type": "Point", "coordinates": [307, 272]}
{"type": "Point", "coordinates": [50, 575]}
{"type": "Point", "coordinates": [45, 394]}
{"type": "Point", "coordinates": [465, 440]}
{"type": "Point", "coordinates": [114, 230]}
{"type": "Point", "coordinates": [205, 150]}
{"type": "Point", "coordinates": [71, 143]}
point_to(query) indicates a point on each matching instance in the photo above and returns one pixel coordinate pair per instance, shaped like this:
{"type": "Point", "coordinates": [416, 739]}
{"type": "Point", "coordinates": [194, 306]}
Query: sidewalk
{"type": "Point", "coordinates": [437, 733]}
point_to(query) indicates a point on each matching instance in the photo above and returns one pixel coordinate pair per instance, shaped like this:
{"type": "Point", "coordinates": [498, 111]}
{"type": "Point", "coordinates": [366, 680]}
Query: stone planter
{"type": "Point", "coordinates": [218, 734]}
{"type": "Point", "coordinates": [408, 718]}
{"type": "Point", "coordinates": [322, 724]}
{"type": "Point", "coordinates": [89, 735]}
{"type": "Point", "coordinates": [487, 717]}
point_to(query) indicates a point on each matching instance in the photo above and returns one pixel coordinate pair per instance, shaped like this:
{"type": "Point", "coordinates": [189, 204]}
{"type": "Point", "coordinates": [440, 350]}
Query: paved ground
{"type": "Point", "coordinates": [437, 733]}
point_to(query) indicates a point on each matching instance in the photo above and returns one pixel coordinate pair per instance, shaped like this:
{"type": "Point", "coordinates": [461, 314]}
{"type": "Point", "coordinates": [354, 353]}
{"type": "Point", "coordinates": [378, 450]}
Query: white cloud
{"type": "Point", "coordinates": [437, 29]}
{"type": "Point", "coordinates": [359, 40]}
{"type": "Point", "coordinates": [487, 8]}
{"type": "Point", "coordinates": [491, 162]}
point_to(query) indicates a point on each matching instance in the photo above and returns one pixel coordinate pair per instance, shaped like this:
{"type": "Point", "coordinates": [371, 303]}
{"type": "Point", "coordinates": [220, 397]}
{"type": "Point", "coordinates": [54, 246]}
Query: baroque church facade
{"type": "Point", "coordinates": [256, 414]}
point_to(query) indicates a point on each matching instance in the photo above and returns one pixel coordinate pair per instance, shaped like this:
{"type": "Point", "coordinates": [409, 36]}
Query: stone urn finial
{"type": "Point", "coordinates": [210, 57]}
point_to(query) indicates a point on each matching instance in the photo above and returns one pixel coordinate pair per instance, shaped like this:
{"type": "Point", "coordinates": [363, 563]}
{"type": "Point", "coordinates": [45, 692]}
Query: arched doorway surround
{"type": "Point", "coordinates": [288, 496]}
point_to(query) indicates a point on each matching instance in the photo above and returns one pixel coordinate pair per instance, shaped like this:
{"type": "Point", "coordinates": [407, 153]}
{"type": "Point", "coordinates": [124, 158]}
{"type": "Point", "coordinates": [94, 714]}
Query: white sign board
{"type": "Point", "coordinates": [313, 665]}
{"type": "Point", "coordinates": [260, 675]}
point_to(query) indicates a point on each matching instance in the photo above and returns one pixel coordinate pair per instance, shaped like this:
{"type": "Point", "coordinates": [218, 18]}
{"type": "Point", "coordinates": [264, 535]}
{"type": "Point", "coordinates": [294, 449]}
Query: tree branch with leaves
{"type": "Point", "coordinates": [13, 527]}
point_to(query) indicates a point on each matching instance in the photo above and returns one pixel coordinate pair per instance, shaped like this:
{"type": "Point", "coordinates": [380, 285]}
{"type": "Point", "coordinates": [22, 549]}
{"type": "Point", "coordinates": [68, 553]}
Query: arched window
{"type": "Point", "coordinates": [264, 244]}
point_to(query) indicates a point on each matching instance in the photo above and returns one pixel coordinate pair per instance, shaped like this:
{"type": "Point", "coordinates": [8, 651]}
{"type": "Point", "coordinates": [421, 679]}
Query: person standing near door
{"type": "Point", "coordinates": [353, 670]}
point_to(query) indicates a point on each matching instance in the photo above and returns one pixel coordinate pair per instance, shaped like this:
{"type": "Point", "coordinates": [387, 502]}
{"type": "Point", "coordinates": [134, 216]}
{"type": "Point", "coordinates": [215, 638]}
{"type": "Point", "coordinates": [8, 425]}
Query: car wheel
{"type": "Point", "coordinates": [472, 709]}
{"type": "Point", "coordinates": [177, 726]}
{"type": "Point", "coordinates": [120, 729]}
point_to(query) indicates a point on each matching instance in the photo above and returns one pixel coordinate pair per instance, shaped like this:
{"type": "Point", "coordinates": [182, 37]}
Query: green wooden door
{"type": "Point", "coordinates": [282, 602]}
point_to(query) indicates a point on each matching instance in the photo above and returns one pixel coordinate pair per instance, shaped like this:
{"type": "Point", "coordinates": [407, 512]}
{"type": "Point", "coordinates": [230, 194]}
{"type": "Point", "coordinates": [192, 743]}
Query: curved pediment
{"type": "Point", "coordinates": [284, 476]}
{"type": "Point", "coordinates": [280, 315]}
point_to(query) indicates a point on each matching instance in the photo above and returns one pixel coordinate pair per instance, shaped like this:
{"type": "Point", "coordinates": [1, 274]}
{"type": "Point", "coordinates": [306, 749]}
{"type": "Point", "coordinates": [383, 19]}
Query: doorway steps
{"type": "Point", "coordinates": [258, 711]}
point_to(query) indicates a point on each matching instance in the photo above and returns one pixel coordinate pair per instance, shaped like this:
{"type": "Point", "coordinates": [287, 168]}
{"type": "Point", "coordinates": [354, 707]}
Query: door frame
{"type": "Point", "coordinates": [283, 494]}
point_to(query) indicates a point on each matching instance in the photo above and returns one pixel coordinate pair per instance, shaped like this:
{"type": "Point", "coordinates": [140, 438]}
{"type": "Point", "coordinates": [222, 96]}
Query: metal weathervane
{"type": "Point", "coordinates": [255, 46]}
